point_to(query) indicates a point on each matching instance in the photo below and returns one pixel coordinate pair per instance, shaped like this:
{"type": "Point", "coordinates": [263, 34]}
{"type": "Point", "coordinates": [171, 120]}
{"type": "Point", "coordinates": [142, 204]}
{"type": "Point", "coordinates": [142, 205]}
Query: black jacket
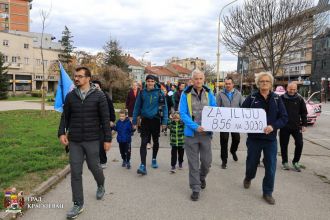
{"type": "Point", "coordinates": [276, 114]}
{"type": "Point", "coordinates": [111, 108]}
{"type": "Point", "coordinates": [83, 118]}
{"type": "Point", "coordinates": [297, 111]}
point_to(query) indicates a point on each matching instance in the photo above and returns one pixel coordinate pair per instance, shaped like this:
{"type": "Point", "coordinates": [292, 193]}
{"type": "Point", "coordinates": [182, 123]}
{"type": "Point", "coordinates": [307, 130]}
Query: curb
{"type": "Point", "coordinates": [40, 190]}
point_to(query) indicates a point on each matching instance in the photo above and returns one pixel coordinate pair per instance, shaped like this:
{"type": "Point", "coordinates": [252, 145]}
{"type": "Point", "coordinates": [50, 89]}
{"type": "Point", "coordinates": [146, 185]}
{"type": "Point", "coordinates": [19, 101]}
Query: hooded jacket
{"type": "Point", "coordinates": [148, 105]}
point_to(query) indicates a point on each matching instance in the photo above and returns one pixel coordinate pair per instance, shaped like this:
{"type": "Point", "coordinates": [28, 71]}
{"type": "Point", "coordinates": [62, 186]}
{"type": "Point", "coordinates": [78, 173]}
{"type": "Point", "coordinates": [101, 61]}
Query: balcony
{"type": "Point", "coordinates": [14, 65]}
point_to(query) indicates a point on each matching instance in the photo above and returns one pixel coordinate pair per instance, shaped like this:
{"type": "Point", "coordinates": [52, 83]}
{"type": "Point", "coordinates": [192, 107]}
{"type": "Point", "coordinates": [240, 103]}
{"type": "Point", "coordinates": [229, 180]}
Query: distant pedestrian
{"type": "Point", "coordinates": [229, 97]}
{"type": "Point", "coordinates": [124, 130]}
{"type": "Point", "coordinates": [103, 154]}
{"type": "Point", "coordinates": [85, 110]}
{"type": "Point", "coordinates": [131, 99]}
{"type": "Point", "coordinates": [297, 112]}
{"type": "Point", "coordinates": [197, 141]}
{"type": "Point", "coordinates": [277, 118]}
{"type": "Point", "coordinates": [177, 95]}
{"type": "Point", "coordinates": [176, 127]}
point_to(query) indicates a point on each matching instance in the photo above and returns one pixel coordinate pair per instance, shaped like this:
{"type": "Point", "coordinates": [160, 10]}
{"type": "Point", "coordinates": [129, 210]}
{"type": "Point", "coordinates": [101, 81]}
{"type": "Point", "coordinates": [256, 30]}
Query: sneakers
{"type": "Point", "coordinates": [194, 196]}
{"type": "Point", "coordinates": [173, 170]}
{"type": "Point", "coordinates": [285, 166]}
{"type": "Point", "coordinates": [100, 192]}
{"type": "Point", "coordinates": [103, 165]}
{"type": "Point", "coordinates": [180, 166]}
{"type": "Point", "coordinates": [203, 184]}
{"type": "Point", "coordinates": [224, 165]}
{"type": "Point", "coordinates": [296, 167]}
{"type": "Point", "coordinates": [246, 183]}
{"type": "Point", "coordinates": [75, 211]}
{"type": "Point", "coordinates": [142, 170]}
{"type": "Point", "coordinates": [269, 199]}
{"type": "Point", "coordinates": [154, 164]}
{"type": "Point", "coordinates": [123, 164]}
{"type": "Point", "coordinates": [128, 165]}
{"type": "Point", "coordinates": [235, 158]}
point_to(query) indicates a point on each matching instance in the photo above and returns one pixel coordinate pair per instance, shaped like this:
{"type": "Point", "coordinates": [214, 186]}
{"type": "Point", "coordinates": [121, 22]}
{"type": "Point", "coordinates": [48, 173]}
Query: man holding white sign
{"type": "Point", "coordinates": [197, 140]}
{"type": "Point", "coordinates": [277, 117]}
{"type": "Point", "coordinates": [229, 97]}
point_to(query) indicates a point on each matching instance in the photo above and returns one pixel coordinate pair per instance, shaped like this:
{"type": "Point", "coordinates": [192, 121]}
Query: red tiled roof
{"type": "Point", "coordinates": [132, 61]}
{"type": "Point", "coordinates": [160, 71]}
{"type": "Point", "coordinates": [180, 69]}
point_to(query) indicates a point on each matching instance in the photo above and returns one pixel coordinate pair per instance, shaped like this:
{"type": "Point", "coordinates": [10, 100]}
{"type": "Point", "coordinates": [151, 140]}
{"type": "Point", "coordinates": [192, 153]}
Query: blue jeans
{"type": "Point", "coordinates": [255, 146]}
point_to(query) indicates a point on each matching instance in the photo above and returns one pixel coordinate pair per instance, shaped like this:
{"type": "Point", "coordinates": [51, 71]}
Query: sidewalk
{"type": "Point", "coordinates": [161, 195]}
{"type": "Point", "coordinates": [18, 105]}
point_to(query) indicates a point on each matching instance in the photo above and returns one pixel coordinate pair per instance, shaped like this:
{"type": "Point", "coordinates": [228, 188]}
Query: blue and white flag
{"type": "Point", "coordinates": [65, 85]}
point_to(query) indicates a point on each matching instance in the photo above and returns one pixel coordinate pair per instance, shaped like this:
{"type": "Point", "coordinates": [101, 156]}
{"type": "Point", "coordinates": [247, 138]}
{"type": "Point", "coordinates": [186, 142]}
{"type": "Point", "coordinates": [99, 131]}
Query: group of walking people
{"type": "Point", "coordinates": [86, 126]}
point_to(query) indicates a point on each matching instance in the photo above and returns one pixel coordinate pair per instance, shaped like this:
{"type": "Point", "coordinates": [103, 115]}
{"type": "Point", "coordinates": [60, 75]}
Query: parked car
{"type": "Point", "coordinates": [314, 109]}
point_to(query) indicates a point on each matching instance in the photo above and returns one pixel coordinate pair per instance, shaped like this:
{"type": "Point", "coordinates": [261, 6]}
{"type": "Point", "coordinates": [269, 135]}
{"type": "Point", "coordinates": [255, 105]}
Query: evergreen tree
{"type": "Point", "coordinates": [67, 44]}
{"type": "Point", "coordinates": [4, 80]}
{"type": "Point", "coordinates": [113, 55]}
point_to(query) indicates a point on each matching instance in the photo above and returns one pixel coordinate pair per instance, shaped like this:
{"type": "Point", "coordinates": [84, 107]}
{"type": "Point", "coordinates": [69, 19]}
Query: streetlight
{"type": "Point", "coordinates": [144, 54]}
{"type": "Point", "coordinates": [218, 53]}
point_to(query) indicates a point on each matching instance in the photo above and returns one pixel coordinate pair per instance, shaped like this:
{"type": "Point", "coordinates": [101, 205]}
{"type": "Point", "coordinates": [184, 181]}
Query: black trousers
{"type": "Point", "coordinates": [177, 154]}
{"type": "Point", "coordinates": [102, 153]}
{"type": "Point", "coordinates": [149, 128]}
{"type": "Point", "coordinates": [224, 137]}
{"type": "Point", "coordinates": [125, 151]}
{"type": "Point", "coordinates": [284, 142]}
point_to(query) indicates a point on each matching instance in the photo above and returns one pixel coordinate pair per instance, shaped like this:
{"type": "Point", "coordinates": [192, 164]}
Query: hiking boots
{"type": "Point", "coordinates": [142, 170]}
{"type": "Point", "coordinates": [296, 167]}
{"type": "Point", "coordinates": [285, 166]}
{"type": "Point", "coordinates": [100, 192]}
{"type": "Point", "coordinates": [269, 199]}
{"type": "Point", "coordinates": [154, 164]}
{"type": "Point", "coordinates": [203, 184]}
{"type": "Point", "coordinates": [235, 158]}
{"type": "Point", "coordinates": [194, 196]}
{"type": "Point", "coordinates": [246, 183]}
{"type": "Point", "coordinates": [173, 170]}
{"type": "Point", "coordinates": [123, 164]}
{"type": "Point", "coordinates": [75, 211]}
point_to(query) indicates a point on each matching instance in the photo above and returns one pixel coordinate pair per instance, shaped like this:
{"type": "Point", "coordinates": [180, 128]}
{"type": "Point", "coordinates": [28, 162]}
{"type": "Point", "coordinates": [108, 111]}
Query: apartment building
{"type": "Point", "coordinates": [15, 15]}
{"type": "Point", "coordinates": [189, 63]}
{"type": "Point", "coordinates": [22, 55]}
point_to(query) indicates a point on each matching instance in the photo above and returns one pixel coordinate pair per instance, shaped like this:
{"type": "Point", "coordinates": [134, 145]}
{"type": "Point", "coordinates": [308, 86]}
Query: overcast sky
{"type": "Point", "coordinates": [165, 28]}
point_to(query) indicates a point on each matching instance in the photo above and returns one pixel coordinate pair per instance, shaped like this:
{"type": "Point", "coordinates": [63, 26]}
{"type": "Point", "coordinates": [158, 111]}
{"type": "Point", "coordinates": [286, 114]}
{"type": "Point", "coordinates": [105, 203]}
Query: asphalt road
{"type": "Point", "coordinates": [161, 195]}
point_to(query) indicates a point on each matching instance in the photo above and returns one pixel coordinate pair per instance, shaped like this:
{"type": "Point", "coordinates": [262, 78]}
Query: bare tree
{"type": "Point", "coordinates": [268, 29]}
{"type": "Point", "coordinates": [210, 73]}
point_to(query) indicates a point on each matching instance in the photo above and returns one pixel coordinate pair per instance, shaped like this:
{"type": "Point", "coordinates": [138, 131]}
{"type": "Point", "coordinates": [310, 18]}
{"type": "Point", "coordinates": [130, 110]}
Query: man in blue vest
{"type": "Point", "coordinates": [197, 141]}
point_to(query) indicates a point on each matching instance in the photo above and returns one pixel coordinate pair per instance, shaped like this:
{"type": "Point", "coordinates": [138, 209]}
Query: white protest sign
{"type": "Point", "coordinates": [241, 120]}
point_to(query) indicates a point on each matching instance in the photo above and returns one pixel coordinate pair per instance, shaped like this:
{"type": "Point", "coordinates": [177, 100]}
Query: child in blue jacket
{"type": "Point", "coordinates": [124, 130]}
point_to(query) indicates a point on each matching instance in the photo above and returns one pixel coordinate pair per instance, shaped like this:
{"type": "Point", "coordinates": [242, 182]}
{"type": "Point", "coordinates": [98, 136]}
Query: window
{"type": "Point", "coordinates": [26, 46]}
{"type": "Point", "coordinates": [5, 43]}
{"type": "Point", "coordinates": [38, 61]}
{"type": "Point", "coordinates": [26, 60]}
{"type": "Point", "coordinates": [45, 62]}
{"type": "Point", "coordinates": [14, 59]}
{"type": "Point", "coordinates": [5, 58]}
